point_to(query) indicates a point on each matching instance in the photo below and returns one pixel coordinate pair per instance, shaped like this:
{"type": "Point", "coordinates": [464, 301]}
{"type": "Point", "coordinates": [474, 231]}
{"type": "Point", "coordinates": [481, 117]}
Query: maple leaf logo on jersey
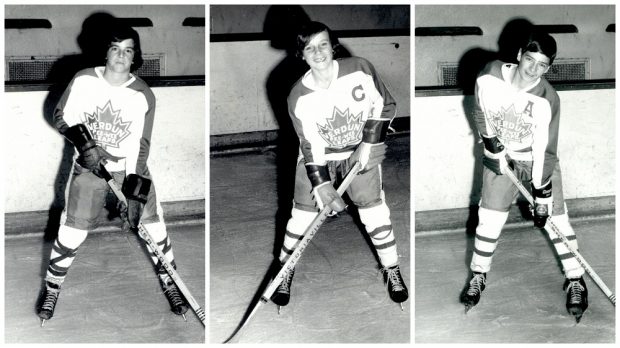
{"type": "Point", "coordinates": [342, 129]}
{"type": "Point", "coordinates": [511, 125]}
{"type": "Point", "coordinates": [107, 127]}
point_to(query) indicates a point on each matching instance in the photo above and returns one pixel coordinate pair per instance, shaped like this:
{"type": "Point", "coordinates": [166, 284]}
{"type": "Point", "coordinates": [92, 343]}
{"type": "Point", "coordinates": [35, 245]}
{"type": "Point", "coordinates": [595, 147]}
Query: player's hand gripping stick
{"type": "Point", "coordinates": [146, 236]}
{"type": "Point", "coordinates": [553, 230]}
{"type": "Point", "coordinates": [299, 249]}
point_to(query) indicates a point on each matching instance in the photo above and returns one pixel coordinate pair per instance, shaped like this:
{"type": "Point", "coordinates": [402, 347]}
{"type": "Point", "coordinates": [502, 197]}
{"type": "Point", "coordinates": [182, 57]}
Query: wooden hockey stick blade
{"type": "Point", "coordinates": [296, 255]}
{"type": "Point", "coordinates": [553, 230]}
{"type": "Point", "coordinates": [234, 337]}
{"type": "Point", "coordinates": [146, 236]}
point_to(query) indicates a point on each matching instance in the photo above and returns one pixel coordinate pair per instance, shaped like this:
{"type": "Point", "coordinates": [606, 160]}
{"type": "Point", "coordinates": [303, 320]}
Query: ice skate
{"type": "Point", "coordinates": [48, 301]}
{"type": "Point", "coordinates": [282, 295]}
{"type": "Point", "coordinates": [395, 284]}
{"type": "Point", "coordinates": [576, 297]}
{"type": "Point", "coordinates": [471, 294]}
{"type": "Point", "coordinates": [178, 305]}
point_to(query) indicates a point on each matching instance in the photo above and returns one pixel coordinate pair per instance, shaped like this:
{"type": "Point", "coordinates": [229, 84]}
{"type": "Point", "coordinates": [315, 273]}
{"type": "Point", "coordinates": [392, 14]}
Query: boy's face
{"type": "Point", "coordinates": [318, 52]}
{"type": "Point", "coordinates": [120, 56]}
{"type": "Point", "coordinates": [532, 65]}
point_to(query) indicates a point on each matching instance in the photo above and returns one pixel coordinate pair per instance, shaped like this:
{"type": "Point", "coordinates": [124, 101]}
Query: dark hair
{"type": "Point", "coordinates": [121, 32]}
{"type": "Point", "coordinates": [308, 31]}
{"type": "Point", "coordinates": [542, 42]}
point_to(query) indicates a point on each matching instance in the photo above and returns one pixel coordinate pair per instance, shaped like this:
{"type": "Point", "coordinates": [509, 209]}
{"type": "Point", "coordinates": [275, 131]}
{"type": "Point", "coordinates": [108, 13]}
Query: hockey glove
{"type": "Point", "coordinates": [369, 155]}
{"type": "Point", "coordinates": [371, 151]}
{"type": "Point", "coordinates": [322, 188]}
{"type": "Point", "coordinates": [92, 156]}
{"type": "Point", "coordinates": [494, 155]}
{"type": "Point", "coordinates": [326, 194]}
{"type": "Point", "coordinates": [136, 189]}
{"type": "Point", "coordinates": [543, 204]}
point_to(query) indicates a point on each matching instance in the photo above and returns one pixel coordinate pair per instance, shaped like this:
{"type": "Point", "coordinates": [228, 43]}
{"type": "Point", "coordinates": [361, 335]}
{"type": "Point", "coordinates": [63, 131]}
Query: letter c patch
{"type": "Point", "coordinates": [358, 93]}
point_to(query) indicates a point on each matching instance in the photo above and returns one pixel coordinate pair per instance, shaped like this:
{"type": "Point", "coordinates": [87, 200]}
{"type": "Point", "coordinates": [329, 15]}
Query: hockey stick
{"type": "Point", "coordinates": [294, 258]}
{"type": "Point", "coordinates": [146, 236]}
{"type": "Point", "coordinates": [553, 230]}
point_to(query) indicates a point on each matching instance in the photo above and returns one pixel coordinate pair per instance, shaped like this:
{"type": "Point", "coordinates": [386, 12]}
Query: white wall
{"type": "Point", "coordinates": [590, 42]}
{"type": "Point", "coordinates": [183, 47]}
{"type": "Point", "coordinates": [33, 149]}
{"type": "Point", "coordinates": [226, 19]}
{"type": "Point", "coordinates": [444, 157]}
{"type": "Point", "coordinates": [239, 71]}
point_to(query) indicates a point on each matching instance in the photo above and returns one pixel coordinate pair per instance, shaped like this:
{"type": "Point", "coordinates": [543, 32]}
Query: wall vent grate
{"type": "Point", "coordinates": [563, 69]}
{"type": "Point", "coordinates": [37, 68]}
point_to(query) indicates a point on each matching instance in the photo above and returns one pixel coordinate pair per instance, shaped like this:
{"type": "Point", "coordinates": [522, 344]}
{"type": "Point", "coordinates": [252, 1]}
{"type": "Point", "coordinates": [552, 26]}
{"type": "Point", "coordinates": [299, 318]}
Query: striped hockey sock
{"type": "Point", "coordinates": [490, 223]}
{"type": "Point", "coordinates": [379, 227]}
{"type": "Point", "coordinates": [295, 228]}
{"type": "Point", "coordinates": [63, 252]}
{"type": "Point", "coordinates": [572, 268]}
{"type": "Point", "coordinates": [158, 232]}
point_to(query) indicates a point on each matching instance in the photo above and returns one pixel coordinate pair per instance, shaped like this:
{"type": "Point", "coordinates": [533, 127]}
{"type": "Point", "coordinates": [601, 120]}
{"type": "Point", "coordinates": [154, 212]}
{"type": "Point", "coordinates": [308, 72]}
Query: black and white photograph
{"type": "Point", "coordinates": [334, 203]}
{"type": "Point", "coordinates": [104, 167]}
{"type": "Point", "coordinates": [514, 173]}
{"type": "Point", "coordinates": [309, 174]}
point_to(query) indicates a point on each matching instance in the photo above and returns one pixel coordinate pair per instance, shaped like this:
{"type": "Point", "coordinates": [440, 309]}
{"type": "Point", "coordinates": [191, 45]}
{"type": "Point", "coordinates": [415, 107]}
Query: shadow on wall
{"type": "Point", "coordinates": [282, 23]}
{"type": "Point", "coordinates": [513, 35]}
{"type": "Point", "coordinates": [93, 43]}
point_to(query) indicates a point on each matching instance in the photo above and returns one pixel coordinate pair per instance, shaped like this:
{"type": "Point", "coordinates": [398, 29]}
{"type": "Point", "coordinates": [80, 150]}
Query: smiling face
{"type": "Point", "coordinates": [120, 56]}
{"type": "Point", "coordinates": [532, 65]}
{"type": "Point", "coordinates": [318, 53]}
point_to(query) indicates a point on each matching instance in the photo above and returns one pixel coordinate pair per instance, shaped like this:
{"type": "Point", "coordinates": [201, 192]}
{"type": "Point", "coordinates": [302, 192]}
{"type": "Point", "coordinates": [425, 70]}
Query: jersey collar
{"type": "Point", "coordinates": [308, 79]}
{"type": "Point", "coordinates": [508, 72]}
{"type": "Point", "coordinates": [99, 72]}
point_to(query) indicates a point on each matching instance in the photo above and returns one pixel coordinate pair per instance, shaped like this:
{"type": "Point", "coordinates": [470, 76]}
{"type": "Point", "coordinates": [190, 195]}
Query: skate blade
{"type": "Point", "coordinates": [401, 307]}
{"type": "Point", "coordinates": [42, 322]}
{"type": "Point", "coordinates": [577, 314]}
{"type": "Point", "coordinates": [184, 318]}
{"type": "Point", "coordinates": [468, 307]}
{"type": "Point", "coordinates": [279, 308]}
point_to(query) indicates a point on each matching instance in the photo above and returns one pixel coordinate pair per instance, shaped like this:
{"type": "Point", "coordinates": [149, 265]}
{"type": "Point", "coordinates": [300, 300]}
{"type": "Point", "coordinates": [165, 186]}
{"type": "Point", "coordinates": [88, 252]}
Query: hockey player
{"type": "Point", "coordinates": [107, 113]}
{"type": "Point", "coordinates": [517, 116]}
{"type": "Point", "coordinates": [341, 111]}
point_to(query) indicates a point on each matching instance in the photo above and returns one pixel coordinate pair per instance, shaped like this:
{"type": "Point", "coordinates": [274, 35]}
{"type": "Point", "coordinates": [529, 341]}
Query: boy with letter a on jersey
{"type": "Point", "coordinates": [107, 113]}
{"type": "Point", "coordinates": [517, 116]}
{"type": "Point", "coordinates": [341, 111]}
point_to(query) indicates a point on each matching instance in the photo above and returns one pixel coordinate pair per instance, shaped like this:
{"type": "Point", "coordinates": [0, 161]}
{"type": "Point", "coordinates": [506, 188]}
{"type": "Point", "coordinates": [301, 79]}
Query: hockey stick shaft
{"type": "Point", "coordinates": [146, 236]}
{"type": "Point", "coordinates": [299, 249]}
{"type": "Point", "coordinates": [553, 230]}
{"type": "Point", "coordinates": [308, 235]}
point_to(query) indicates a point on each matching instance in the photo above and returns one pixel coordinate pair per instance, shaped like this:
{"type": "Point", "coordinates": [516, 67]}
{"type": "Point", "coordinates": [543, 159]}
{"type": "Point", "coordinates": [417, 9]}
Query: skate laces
{"type": "Point", "coordinates": [286, 281]}
{"type": "Point", "coordinates": [475, 284]}
{"type": "Point", "coordinates": [51, 296]}
{"type": "Point", "coordinates": [575, 290]}
{"type": "Point", "coordinates": [393, 274]}
{"type": "Point", "coordinates": [172, 293]}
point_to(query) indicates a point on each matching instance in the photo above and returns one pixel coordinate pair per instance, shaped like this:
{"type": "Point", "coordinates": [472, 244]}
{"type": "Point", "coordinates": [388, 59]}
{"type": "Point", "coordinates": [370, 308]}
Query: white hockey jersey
{"type": "Point", "coordinates": [329, 122]}
{"type": "Point", "coordinates": [119, 118]}
{"type": "Point", "coordinates": [526, 121]}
